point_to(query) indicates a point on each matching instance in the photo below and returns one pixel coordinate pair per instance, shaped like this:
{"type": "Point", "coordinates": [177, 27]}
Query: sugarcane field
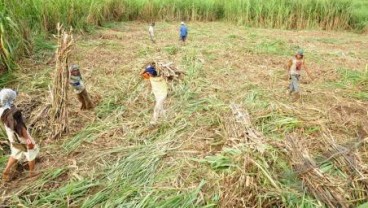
{"type": "Point", "coordinates": [184, 103]}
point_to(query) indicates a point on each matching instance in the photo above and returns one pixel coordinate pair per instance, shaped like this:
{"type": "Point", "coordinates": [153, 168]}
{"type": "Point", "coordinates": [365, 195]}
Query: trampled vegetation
{"type": "Point", "coordinates": [232, 136]}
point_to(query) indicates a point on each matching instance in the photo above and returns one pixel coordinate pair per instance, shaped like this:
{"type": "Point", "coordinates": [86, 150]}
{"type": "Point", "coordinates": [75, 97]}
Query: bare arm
{"type": "Point", "coordinates": [307, 70]}
{"type": "Point", "coordinates": [288, 65]}
{"type": "Point", "coordinates": [28, 138]}
{"type": "Point", "coordinates": [143, 70]}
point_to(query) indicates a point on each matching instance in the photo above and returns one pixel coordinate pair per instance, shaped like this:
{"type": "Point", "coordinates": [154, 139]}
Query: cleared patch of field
{"type": "Point", "coordinates": [113, 159]}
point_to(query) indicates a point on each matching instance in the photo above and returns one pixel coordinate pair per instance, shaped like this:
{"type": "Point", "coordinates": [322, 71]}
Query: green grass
{"type": "Point", "coordinates": [360, 14]}
{"type": "Point", "coordinates": [224, 161]}
{"type": "Point", "coordinates": [12, 41]}
{"type": "Point", "coordinates": [274, 122]}
{"type": "Point", "coordinates": [273, 47]}
{"type": "Point", "coordinates": [361, 96]}
{"type": "Point", "coordinates": [354, 77]}
{"type": "Point", "coordinates": [171, 50]}
{"type": "Point", "coordinates": [42, 44]}
{"type": "Point", "coordinates": [6, 79]}
{"type": "Point", "coordinates": [128, 176]}
{"type": "Point", "coordinates": [349, 81]}
{"type": "Point", "coordinates": [21, 22]}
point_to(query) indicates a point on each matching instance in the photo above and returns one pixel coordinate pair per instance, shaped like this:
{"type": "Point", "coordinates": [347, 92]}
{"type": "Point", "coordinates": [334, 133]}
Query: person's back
{"type": "Point", "coordinates": [183, 32]}
{"type": "Point", "coordinates": [159, 89]}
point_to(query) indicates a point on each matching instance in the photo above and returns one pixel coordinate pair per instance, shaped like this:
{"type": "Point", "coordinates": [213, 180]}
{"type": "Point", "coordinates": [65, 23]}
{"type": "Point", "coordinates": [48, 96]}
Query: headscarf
{"type": "Point", "coordinates": [11, 117]}
{"type": "Point", "coordinates": [74, 68]}
{"type": "Point", "coordinates": [7, 98]}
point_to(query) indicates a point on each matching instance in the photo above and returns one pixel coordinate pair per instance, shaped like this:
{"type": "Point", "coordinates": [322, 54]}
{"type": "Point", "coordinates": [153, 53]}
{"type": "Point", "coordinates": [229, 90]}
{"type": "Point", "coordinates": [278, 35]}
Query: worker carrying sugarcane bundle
{"type": "Point", "coordinates": [76, 81]}
{"type": "Point", "coordinates": [295, 65]}
{"type": "Point", "coordinates": [159, 89]}
{"type": "Point", "coordinates": [21, 143]}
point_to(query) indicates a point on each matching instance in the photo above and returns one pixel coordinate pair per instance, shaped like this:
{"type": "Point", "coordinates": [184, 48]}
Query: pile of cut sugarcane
{"type": "Point", "coordinates": [323, 186]}
{"type": "Point", "coordinates": [168, 71]}
{"type": "Point", "coordinates": [247, 147]}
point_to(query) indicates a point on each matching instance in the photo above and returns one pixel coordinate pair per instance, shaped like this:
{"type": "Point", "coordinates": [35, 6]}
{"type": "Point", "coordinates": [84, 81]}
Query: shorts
{"type": "Point", "coordinates": [183, 38]}
{"type": "Point", "coordinates": [294, 85]}
{"type": "Point", "coordinates": [29, 155]}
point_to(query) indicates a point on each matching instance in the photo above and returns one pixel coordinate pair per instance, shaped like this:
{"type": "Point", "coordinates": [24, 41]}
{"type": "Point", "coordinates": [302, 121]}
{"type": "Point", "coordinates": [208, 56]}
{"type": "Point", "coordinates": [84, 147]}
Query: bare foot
{"type": "Point", "coordinates": [296, 97]}
{"type": "Point", "coordinates": [32, 174]}
{"type": "Point", "coordinates": [6, 177]}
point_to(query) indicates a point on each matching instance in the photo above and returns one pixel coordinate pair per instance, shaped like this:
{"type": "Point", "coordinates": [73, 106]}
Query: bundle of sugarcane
{"type": "Point", "coordinates": [252, 179]}
{"type": "Point", "coordinates": [168, 71]}
{"type": "Point", "coordinates": [324, 187]}
{"type": "Point", "coordinates": [241, 130]}
{"type": "Point", "coordinates": [59, 93]}
{"type": "Point", "coordinates": [347, 158]}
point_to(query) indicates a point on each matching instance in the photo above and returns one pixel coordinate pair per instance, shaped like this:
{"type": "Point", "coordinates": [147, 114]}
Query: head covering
{"type": "Point", "coordinates": [7, 97]}
{"type": "Point", "coordinates": [74, 67]}
{"type": "Point", "coordinates": [182, 23]}
{"type": "Point", "coordinates": [300, 52]}
{"type": "Point", "coordinates": [74, 73]}
{"type": "Point", "coordinates": [150, 69]}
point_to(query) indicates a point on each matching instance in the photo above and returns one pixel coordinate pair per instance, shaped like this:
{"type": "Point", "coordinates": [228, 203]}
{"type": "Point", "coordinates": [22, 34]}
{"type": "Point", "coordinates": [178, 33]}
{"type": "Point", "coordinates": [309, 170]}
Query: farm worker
{"type": "Point", "coordinates": [183, 32]}
{"type": "Point", "coordinates": [21, 142]}
{"type": "Point", "coordinates": [294, 66]}
{"type": "Point", "coordinates": [151, 31]}
{"type": "Point", "coordinates": [159, 89]}
{"type": "Point", "coordinates": [76, 81]}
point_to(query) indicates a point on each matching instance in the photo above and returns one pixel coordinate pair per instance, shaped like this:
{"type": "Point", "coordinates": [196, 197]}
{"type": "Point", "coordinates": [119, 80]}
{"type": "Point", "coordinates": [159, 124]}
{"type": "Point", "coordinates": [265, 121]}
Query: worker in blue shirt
{"type": "Point", "coordinates": [183, 32]}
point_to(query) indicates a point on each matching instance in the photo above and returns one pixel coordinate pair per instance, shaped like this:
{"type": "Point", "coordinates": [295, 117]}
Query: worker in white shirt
{"type": "Point", "coordinates": [151, 31]}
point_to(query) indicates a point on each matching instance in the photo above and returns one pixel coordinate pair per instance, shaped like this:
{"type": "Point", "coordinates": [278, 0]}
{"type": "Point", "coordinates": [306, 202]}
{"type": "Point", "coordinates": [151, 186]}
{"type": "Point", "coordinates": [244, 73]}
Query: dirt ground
{"type": "Point", "coordinates": [225, 64]}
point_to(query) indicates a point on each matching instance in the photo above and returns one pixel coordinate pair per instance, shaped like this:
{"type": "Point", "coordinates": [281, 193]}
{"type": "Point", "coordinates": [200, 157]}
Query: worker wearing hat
{"type": "Point", "coordinates": [183, 32]}
{"type": "Point", "coordinates": [294, 67]}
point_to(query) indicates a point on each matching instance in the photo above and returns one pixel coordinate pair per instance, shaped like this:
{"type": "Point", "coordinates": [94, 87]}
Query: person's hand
{"type": "Point", "coordinates": [30, 146]}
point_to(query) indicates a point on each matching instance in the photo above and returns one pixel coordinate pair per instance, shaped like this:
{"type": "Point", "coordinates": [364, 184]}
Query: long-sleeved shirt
{"type": "Point", "coordinates": [183, 31]}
